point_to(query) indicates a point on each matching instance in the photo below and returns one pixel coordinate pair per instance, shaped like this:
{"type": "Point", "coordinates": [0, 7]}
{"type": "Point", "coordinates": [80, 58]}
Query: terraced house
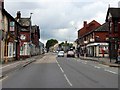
{"type": "Point", "coordinates": [92, 39]}
{"type": "Point", "coordinates": [9, 37]}
{"type": "Point", "coordinates": [113, 18]}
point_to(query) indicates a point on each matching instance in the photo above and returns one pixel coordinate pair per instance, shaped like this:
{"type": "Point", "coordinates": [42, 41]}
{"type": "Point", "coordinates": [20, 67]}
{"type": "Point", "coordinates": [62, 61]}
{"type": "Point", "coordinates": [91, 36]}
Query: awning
{"type": "Point", "coordinates": [96, 44]}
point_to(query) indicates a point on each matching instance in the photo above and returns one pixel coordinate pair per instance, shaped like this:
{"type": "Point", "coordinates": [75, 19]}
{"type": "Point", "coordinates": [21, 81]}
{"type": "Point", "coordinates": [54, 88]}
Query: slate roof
{"type": "Point", "coordinates": [115, 12]}
{"type": "Point", "coordinates": [23, 21]}
{"type": "Point", "coordinates": [103, 27]}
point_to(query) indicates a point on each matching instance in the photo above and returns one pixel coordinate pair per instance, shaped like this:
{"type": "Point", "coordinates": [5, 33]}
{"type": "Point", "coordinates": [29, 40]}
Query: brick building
{"type": "Point", "coordinates": [35, 36]}
{"type": "Point", "coordinates": [113, 18]}
{"type": "Point", "coordinates": [92, 39]}
{"type": "Point", "coordinates": [25, 35]}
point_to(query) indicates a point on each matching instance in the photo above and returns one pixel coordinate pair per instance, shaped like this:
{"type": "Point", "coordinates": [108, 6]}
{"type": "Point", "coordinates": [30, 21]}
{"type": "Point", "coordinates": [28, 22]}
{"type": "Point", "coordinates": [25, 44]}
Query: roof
{"type": "Point", "coordinates": [11, 17]}
{"type": "Point", "coordinates": [89, 27]}
{"type": "Point", "coordinates": [115, 12]}
{"type": "Point", "coordinates": [103, 27]}
{"type": "Point", "coordinates": [25, 21]}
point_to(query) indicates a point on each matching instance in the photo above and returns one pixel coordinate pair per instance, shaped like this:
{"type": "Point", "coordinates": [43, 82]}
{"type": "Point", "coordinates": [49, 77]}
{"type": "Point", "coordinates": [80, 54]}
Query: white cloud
{"type": "Point", "coordinates": [61, 19]}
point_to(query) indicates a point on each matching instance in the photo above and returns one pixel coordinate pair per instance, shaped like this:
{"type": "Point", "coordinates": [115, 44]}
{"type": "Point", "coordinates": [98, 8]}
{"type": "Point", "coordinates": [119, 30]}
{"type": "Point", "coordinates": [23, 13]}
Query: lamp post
{"type": "Point", "coordinates": [30, 32]}
{"type": "Point", "coordinates": [85, 50]}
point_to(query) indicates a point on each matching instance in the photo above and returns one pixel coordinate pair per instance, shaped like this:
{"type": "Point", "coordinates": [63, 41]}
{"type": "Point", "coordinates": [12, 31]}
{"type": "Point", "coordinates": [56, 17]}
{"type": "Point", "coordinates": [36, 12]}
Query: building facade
{"type": "Point", "coordinates": [113, 18]}
{"type": "Point", "coordinates": [35, 36]}
{"type": "Point", "coordinates": [92, 39]}
{"type": "Point", "coordinates": [25, 35]}
{"type": "Point", "coordinates": [11, 34]}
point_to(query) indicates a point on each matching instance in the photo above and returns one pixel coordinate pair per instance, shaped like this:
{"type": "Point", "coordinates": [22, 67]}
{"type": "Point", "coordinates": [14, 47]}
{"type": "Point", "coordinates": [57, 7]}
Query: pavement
{"type": "Point", "coordinates": [105, 61]}
{"type": "Point", "coordinates": [15, 65]}
{"type": "Point", "coordinates": [62, 72]}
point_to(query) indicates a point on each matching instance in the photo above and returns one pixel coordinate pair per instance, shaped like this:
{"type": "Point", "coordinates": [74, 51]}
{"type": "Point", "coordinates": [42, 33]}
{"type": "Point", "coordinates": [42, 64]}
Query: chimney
{"type": "Point", "coordinates": [85, 23]}
{"type": "Point", "coordinates": [18, 15]}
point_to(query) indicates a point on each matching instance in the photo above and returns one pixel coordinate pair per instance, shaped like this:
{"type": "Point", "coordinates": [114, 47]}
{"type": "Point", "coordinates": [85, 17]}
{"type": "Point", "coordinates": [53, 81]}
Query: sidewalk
{"type": "Point", "coordinates": [12, 66]}
{"type": "Point", "coordinates": [105, 61]}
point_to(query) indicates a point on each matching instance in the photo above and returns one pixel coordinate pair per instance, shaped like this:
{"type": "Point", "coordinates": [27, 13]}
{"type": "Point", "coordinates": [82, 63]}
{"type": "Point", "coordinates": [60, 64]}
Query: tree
{"type": "Point", "coordinates": [50, 43]}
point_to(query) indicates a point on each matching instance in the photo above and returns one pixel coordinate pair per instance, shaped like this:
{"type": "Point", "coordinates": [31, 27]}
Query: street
{"type": "Point", "coordinates": [62, 72]}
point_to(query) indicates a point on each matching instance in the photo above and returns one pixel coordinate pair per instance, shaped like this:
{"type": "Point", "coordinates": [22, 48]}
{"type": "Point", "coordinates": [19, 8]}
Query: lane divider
{"type": "Point", "coordinates": [64, 74]}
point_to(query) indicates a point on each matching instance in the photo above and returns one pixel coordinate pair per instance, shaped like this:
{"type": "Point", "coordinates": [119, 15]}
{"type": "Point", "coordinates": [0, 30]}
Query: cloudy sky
{"type": "Point", "coordinates": [61, 19]}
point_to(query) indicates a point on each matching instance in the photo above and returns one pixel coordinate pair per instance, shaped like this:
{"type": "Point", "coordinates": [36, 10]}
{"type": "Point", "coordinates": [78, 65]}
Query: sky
{"type": "Point", "coordinates": [61, 19]}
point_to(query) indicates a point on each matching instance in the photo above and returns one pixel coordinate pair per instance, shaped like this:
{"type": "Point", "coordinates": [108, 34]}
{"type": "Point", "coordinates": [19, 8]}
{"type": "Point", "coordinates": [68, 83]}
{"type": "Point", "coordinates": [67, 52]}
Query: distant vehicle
{"type": "Point", "coordinates": [71, 53]}
{"type": "Point", "coordinates": [118, 59]}
{"type": "Point", "coordinates": [61, 54]}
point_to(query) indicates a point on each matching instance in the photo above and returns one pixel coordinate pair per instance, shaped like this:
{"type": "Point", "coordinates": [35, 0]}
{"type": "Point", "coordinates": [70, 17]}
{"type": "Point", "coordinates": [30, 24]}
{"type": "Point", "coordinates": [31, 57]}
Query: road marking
{"type": "Point", "coordinates": [4, 78]}
{"type": "Point", "coordinates": [61, 69]}
{"type": "Point", "coordinates": [68, 80]}
{"type": "Point", "coordinates": [64, 74]}
{"type": "Point", "coordinates": [9, 65]}
{"type": "Point", "coordinates": [97, 67]}
{"type": "Point", "coordinates": [110, 71]}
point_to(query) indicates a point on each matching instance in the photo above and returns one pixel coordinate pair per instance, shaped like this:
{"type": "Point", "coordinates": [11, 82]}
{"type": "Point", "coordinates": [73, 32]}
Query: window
{"type": "Point", "coordinates": [10, 49]}
{"type": "Point", "coordinates": [110, 27]}
{"type": "Point", "coordinates": [103, 49]}
{"type": "Point", "coordinates": [115, 26]}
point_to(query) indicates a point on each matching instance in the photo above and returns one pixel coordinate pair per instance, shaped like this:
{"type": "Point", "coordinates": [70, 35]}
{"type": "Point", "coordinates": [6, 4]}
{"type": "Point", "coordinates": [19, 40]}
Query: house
{"type": "Point", "coordinates": [1, 32]}
{"type": "Point", "coordinates": [25, 35]}
{"type": "Point", "coordinates": [35, 36]}
{"type": "Point", "coordinates": [10, 37]}
{"type": "Point", "coordinates": [92, 39]}
{"type": "Point", "coordinates": [113, 18]}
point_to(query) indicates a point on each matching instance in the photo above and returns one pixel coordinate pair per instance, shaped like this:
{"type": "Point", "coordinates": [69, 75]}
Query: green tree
{"type": "Point", "coordinates": [50, 43]}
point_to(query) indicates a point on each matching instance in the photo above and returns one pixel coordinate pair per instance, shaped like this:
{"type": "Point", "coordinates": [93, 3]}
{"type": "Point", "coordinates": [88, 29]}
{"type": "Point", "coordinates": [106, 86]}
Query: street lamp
{"type": "Point", "coordinates": [85, 51]}
{"type": "Point", "coordinates": [30, 31]}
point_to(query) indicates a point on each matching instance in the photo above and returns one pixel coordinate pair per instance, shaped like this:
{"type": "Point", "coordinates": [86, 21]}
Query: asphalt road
{"type": "Point", "coordinates": [62, 72]}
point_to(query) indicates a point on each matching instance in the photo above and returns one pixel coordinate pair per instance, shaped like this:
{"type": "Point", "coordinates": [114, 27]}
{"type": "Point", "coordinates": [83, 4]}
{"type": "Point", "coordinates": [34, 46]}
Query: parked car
{"type": "Point", "coordinates": [60, 54]}
{"type": "Point", "coordinates": [71, 53]}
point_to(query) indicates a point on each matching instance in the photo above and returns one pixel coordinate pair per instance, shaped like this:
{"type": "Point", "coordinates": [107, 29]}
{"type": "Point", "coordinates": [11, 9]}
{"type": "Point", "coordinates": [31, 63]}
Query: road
{"type": "Point", "coordinates": [61, 72]}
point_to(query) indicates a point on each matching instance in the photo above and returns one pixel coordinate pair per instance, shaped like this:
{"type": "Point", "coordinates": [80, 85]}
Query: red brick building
{"type": "Point", "coordinates": [92, 39]}
{"type": "Point", "coordinates": [113, 18]}
{"type": "Point", "coordinates": [35, 36]}
{"type": "Point", "coordinates": [25, 35]}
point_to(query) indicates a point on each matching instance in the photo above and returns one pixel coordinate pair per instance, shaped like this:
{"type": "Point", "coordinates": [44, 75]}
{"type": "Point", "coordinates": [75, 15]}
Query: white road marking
{"type": "Point", "coordinates": [67, 80]}
{"type": "Point", "coordinates": [97, 67]}
{"type": "Point", "coordinates": [4, 78]}
{"type": "Point", "coordinates": [110, 71]}
{"type": "Point", "coordinates": [9, 65]}
{"type": "Point", "coordinates": [61, 70]}
{"type": "Point", "coordinates": [64, 74]}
